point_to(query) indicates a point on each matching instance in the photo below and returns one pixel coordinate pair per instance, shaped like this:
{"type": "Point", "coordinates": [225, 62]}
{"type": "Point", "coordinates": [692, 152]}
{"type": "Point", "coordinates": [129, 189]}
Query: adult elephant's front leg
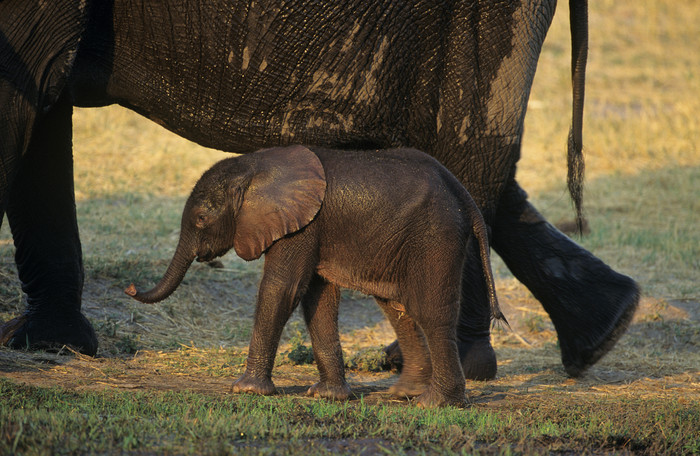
{"type": "Point", "coordinates": [590, 304]}
{"type": "Point", "coordinates": [41, 212]}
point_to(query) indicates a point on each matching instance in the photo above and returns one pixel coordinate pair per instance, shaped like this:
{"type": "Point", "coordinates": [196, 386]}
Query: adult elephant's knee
{"type": "Point", "coordinates": [42, 216]}
{"type": "Point", "coordinates": [590, 304]}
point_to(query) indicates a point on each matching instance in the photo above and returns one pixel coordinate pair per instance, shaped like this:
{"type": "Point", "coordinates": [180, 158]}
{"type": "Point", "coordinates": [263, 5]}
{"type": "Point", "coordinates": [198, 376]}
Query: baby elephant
{"type": "Point", "coordinates": [394, 224]}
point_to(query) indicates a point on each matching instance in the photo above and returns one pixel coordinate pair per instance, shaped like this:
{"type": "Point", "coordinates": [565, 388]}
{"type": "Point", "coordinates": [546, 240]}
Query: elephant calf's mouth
{"type": "Point", "coordinates": [209, 255]}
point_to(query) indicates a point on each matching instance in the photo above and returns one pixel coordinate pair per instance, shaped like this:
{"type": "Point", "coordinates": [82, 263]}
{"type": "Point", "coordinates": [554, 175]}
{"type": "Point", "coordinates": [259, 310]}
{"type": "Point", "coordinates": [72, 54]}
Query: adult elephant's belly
{"type": "Point", "coordinates": [267, 115]}
{"type": "Point", "coordinates": [347, 78]}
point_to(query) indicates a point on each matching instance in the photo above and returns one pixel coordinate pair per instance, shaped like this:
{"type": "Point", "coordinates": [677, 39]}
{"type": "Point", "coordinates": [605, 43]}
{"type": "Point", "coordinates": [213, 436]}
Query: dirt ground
{"type": "Point", "coordinates": [658, 356]}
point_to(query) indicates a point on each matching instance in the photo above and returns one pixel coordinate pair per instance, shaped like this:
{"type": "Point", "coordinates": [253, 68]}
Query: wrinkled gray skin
{"type": "Point", "coordinates": [451, 78]}
{"type": "Point", "coordinates": [331, 219]}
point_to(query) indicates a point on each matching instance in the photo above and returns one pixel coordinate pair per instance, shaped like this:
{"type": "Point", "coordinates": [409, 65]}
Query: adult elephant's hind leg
{"type": "Point", "coordinates": [41, 212]}
{"type": "Point", "coordinates": [590, 304]}
{"type": "Point", "coordinates": [476, 353]}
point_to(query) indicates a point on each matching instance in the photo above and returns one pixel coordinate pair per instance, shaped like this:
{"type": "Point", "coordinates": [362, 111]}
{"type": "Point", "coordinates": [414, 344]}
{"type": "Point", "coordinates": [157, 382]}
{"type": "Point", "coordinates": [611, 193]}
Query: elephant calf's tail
{"type": "Point", "coordinates": [481, 234]}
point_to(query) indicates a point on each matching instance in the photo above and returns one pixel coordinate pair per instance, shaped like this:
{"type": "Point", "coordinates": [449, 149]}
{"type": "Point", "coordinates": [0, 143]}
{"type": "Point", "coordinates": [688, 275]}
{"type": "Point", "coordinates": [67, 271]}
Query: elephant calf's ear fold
{"type": "Point", "coordinates": [284, 195]}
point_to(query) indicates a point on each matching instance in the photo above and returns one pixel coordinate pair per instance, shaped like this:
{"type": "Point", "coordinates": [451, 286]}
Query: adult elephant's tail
{"type": "Point", "coordinates": [578, 17]}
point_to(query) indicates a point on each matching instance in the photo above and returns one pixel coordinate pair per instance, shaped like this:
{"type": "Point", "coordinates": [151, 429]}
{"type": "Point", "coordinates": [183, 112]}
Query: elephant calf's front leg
{"type": "Point", "coordinates": [320, 306]}
{"type": "Point", "coordinates": [276, 302]}
{"type": "Point", "coordinates": [278, 296]}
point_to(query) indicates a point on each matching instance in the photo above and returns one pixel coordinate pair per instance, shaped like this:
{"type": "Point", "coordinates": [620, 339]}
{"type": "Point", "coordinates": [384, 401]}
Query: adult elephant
{"type": "Point", "coordinates": [449, 77]}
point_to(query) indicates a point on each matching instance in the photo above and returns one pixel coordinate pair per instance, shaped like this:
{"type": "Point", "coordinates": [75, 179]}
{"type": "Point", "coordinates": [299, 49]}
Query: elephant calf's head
{"type": "Point", "coordinates": [247, 203]}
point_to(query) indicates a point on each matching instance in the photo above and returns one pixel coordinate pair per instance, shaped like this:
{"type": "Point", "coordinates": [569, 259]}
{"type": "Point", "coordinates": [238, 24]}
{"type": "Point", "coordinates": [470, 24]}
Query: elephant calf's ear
{"type": "Point", "coordinates": [284, 195]}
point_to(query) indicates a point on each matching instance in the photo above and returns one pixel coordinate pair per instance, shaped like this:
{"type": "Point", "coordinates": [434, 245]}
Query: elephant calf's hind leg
{"type": "Point", "coordinates": [416, 368]}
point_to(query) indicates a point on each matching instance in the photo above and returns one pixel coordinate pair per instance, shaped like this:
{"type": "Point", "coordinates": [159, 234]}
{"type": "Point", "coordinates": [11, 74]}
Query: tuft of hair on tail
{"type": "Point", "coordinates": [497, 317]}
{"type": "Point", "coordinates": [575, 178]}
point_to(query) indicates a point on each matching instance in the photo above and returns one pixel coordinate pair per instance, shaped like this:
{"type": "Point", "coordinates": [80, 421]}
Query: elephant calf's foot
{"type": "Point", "coordinates": [254, 385]}
{"type": "Point", "coordinates": [409, 385]}
{"type": "Point", "coordinates": [433, 398]}
{"type": "Point", "coordinates": [478, 358]}
{"type": "Point", "coordinates": [325, 390]}
{"type": "Point", "coordinates": [403, 390]}
{"type": "Point", "coordinates": [34, 331]}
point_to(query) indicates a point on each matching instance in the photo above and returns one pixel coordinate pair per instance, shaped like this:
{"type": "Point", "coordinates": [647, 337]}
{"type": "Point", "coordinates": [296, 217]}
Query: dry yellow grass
{"type": "Point", "coordinates": [641, 94]}
{"type": "Point", "coordinates": [118, 151]}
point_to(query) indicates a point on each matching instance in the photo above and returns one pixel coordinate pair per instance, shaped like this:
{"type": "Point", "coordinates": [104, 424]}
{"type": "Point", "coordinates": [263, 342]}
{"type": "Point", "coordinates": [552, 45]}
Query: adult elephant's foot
{"type": "Point", "coordinates": [36, 331]}
{"type": "Point", "coordinates": [329, 391]}
{"type": "Point", "coordinates": [581, 349]}
{"type": "Point", "coordinates": [477, 357]}
{"type": "Point", "coordinates": [255, 385]}
{"type": "Point", "coordinates": [590, 304]}
{"type": "Point", "coordinates": [476, 354]}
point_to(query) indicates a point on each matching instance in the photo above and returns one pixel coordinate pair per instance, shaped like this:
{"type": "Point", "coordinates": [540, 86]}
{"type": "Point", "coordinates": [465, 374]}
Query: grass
{"type": "Point", "coordinates": [162, 378]}
{"type": "Point", "coordinates": [184, 422]}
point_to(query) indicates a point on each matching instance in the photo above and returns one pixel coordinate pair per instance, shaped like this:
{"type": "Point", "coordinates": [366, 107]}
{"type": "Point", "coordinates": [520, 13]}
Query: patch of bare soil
{"type": "Point", "coordinates": [658, 356]}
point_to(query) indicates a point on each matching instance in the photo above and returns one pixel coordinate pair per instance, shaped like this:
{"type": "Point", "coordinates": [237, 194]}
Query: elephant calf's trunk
{"type": "Point", "coordinates": [148, 297]}
{"type": "Point", "coordinates": [162, 290]}
{"type": "Point", "coordinates": [157, 294]}
{"type": "Point", "coordinates": [170, 281]}
{"type": "Point", "coordinates": [131, 291]}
